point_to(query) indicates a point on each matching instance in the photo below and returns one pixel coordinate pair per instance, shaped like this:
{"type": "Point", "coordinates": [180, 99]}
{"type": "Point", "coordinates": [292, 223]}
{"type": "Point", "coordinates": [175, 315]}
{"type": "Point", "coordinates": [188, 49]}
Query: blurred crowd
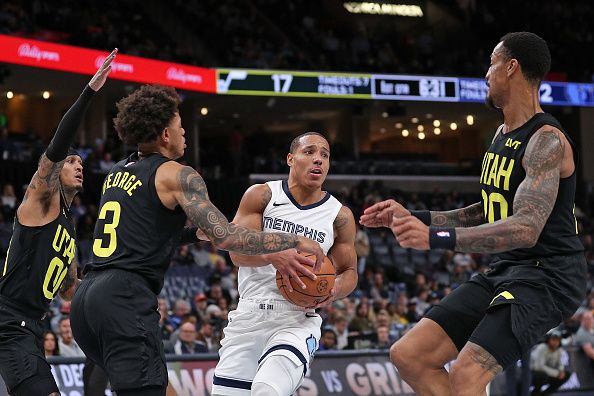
{"type": "Point", "coordinates": [298, 34]}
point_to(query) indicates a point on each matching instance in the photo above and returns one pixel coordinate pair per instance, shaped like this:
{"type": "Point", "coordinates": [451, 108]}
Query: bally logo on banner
{"type": "Point", "coordinates": [178, 74]}
{"type": "Point", "coordinates": [27, 50]}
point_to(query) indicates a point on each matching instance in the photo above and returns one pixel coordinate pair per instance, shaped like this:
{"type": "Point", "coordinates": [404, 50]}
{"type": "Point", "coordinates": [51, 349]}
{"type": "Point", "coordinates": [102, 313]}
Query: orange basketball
{"type": "Point", "coordinates": [316, 291]}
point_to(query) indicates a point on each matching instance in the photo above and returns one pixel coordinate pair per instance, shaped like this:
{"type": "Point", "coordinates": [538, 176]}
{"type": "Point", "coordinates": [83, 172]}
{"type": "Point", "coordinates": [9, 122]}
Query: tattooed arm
{"type": "Point", "coordinates": [70, 283]}
{"type": "Point", "coordinates": [464, 217]}
{"type": "Point", "coordinates": [189, 191]}
{"type": "Point", "coordinates": [381, 214]}
{"type": "Point", "coordinates": [533, 202]}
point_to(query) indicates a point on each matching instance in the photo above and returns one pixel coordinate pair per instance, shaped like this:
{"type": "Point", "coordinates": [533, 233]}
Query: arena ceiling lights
{"type": "Point", "coordinates": [310, 84]}
{"type": "Point", "coordinates": [373, 8]}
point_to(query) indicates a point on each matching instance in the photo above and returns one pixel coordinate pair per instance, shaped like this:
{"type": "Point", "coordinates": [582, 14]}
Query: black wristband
{"type": "Point", "coordinates": [188, 235]}
{"type": "Point", "coordinates": [423, 215]}
{"type": "Point", "coordinates": [442, 238]}
{"type": "Point", "coordinates": [57, 150]}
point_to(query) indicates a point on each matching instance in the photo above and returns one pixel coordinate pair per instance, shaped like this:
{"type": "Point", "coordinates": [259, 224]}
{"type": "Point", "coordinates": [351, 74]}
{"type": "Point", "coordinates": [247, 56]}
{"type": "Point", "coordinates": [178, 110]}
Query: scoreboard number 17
{"type": "Point", "coordinates": [282, 82]}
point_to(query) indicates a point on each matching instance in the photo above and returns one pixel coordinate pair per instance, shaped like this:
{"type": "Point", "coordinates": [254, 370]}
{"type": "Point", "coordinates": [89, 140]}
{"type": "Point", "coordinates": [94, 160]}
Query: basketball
{"type": "Point", "coordinates": [316, 290]}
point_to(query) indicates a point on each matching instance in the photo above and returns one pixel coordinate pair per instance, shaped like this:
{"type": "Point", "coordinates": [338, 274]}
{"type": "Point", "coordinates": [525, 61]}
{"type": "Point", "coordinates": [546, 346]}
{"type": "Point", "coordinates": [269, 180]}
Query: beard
{"type": "Point", "coordinates": [490, 102]}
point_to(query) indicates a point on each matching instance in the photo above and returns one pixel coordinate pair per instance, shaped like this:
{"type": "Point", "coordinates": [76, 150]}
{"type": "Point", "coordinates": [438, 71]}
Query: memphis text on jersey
{"type": "Point", "coordinates": [279, 224]}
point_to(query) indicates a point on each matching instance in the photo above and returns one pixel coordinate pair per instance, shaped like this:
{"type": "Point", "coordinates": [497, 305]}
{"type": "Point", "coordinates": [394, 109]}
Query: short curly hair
{"type": "Point", "coordinates": [531, 51]}
{"type": "Point", "coordinates": [144, 113]}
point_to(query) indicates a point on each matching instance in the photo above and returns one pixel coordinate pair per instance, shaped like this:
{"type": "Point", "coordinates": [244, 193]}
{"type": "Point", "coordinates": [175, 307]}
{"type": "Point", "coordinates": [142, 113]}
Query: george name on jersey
{"type": "Point", "coordinates": [123, 180]}
{"type": "Point", "coordinates": [279, 224]}
{"type": "Point", "coordinates": [497, 170]}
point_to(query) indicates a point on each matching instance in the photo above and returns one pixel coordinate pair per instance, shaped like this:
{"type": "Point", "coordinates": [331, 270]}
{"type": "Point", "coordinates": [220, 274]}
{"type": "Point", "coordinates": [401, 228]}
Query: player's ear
{"type": "Point", "coordinates": [290, 159]}
{"type": "Point", "coordinates": [165, 135]}
{"type": "Point", "coordinates": [512, 66]}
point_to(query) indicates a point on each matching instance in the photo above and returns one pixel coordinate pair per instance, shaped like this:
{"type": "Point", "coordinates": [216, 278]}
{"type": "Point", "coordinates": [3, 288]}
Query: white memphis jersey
{"type": "Point", "coordinates": [284, 214]}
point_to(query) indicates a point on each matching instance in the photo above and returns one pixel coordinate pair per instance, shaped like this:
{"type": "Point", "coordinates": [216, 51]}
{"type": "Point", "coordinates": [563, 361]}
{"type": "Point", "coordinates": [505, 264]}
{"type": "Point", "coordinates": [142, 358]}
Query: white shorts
{"type": "Point", "coordinates": [258, 329]}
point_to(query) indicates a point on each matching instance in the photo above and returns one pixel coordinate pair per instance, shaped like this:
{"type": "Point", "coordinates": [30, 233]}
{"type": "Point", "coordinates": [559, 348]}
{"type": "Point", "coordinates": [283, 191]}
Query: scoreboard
{"type": "Point", "coordinates": [383, 87]}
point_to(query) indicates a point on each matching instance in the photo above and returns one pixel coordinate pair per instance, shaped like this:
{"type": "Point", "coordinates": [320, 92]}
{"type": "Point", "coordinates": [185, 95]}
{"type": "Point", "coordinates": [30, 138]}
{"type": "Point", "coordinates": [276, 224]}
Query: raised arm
{"type": "Point", "coordinates": [533, 202]}
{"type": "Point", "coordinates": [188, 190]}
{"type": "Point", "coordinates": [42, 195]}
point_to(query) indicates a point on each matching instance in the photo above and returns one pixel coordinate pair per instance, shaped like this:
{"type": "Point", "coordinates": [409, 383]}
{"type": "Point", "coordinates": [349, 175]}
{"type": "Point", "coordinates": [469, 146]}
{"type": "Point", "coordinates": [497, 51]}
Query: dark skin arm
{"type": "Point", "coordinates": [41, 203]}
{"type": "Point", "coordinates": [344, 256]}
{"type": "Point", "coordinates": [533, 203]}
{"type": "Point", "coordinates": [70, 283]}
{"type": "Point", "coordinates": [381, 214]}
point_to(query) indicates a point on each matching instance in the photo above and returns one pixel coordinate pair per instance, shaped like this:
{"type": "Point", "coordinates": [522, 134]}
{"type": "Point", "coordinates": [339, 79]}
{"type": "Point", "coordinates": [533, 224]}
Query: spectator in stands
{"type": "Point", "coordinates": [361, 322]}
{"type": "Point", "coordinates": [165, 324]}
{"type": "Point", "coordinates": [327, 340]}
{"type": "Point", "coordinates": [200, 252]}
{"type": "Point", "coordinates": [383, 338]}
{"type": "Point", "coordinates": [379, 289]}
{"type": "Point", "coordinates": [50, 344]}
{"type": "Point", "coordinates": [200, 305]}
{"type": "Point", "coordinates": [341, 331]}
{"type": "Point", "coordinates": [411, 311]}
{"type": "Point", "coordinates": [8, 200]}
{"type": "Point", "coordinates": [584, 338]}
{"type": "Point", "coordinates": [361, 248]}
{"type": "Point", "coordinates": [207, 336]}
{"type": "Point", "coordinates": [182, 256]}
{"type": "Point", "coordinates": [67, 344]}
{"type": "Point", "coordinates": [180, 309]}
{"type": "Point", "coordinates": [547, 366]}
{"type": "Point", "coordinates": [187, 343]}
{"type": "Point", "coordinates": [106, 163]}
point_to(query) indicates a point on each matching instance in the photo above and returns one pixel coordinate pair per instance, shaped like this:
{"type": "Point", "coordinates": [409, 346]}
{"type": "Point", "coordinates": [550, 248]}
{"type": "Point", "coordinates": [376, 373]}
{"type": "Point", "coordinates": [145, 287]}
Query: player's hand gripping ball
{"type": "Point", "coordinates": [316, 291]}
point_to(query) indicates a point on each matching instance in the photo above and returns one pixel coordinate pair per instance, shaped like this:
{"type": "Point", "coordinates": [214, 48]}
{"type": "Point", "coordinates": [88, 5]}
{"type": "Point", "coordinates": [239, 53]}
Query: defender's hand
{"type": "Point", "coordinates": [411, 232]}
{"type": "Point", "coordinates": [311, 246]}
{"type": "Point", "coordinates": [101, 76]}
{"type": "Point", "coordinates": [381, 214]}
{"type": "Point", "coordinates": [290, 264]}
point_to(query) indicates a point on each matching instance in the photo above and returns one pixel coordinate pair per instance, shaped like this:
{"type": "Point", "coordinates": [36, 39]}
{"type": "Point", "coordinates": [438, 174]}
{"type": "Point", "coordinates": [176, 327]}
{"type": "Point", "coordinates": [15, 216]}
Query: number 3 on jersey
{"type": "Point", "coordinates": [489, 202]}
{"type": "Point", "coordinates": [109, 229]}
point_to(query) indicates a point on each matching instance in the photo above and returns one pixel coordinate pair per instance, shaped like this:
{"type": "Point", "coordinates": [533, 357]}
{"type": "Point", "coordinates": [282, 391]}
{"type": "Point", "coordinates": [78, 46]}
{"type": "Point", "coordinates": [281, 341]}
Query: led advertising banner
{"type": "Point", "coordinates": [23, 51]}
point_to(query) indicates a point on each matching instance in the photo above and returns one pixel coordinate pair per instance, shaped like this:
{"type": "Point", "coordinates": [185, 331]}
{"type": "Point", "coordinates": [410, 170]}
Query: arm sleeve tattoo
{"type": "Point", "coordinates": [464, 217]}
{"type": "Point", "coordinates": [225, 235]}
{"type": "Point", "coordinates": [533, 202]}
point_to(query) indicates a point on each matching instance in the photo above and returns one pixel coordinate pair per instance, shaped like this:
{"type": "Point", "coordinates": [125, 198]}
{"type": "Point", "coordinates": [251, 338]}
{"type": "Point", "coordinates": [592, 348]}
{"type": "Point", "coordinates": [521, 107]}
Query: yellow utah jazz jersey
{"type": "Point", "coordinates": [37, 262]}
{"type": "Point", "coordinates": [134, 230]}
{"type": "Point", "coordinates": [501, 175]}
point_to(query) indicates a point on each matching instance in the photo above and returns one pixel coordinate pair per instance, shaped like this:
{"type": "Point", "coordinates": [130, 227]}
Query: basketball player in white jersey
{"type": "Point", "coordinates": [270, 342]}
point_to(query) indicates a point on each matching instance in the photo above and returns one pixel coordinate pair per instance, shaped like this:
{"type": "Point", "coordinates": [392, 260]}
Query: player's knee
{"type": "Point", "coordinates": [278, 373]}
{"type": "Point", "coordinates": [263, 389]}
{"type": "Point", "coordinates": [403, 357]}
{"type": "Point", "coordinates": [464, 377]}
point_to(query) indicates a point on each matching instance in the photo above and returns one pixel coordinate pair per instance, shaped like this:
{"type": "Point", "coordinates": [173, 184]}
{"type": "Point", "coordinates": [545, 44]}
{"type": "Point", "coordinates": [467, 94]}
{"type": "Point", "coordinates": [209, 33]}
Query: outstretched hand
{"type": "Point", "coordinates": [382, 213]}
{"type": "Point", "coordinates": [101, 76]}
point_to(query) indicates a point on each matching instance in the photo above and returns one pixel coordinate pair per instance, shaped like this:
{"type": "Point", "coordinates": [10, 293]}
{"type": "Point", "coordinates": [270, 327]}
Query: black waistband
{"type": "Point", "coordinates": [19, 310]}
